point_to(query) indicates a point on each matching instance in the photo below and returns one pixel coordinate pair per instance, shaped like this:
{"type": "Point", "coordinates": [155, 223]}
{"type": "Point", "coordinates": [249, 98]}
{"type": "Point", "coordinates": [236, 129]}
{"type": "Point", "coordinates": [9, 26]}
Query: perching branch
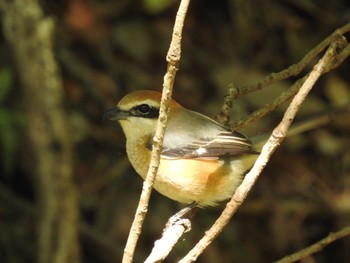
{"type": "Point", "coordinates": [176, 226]}
{"type": "Point", "coordinates": [170, 237]}
{"type": "Point", "coordinates": [274, 141]}
{"type": "Point", "coordinates": [173, 58]}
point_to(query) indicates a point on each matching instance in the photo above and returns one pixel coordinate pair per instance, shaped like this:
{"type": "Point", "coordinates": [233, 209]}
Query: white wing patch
{"type": "Point", "coordinates": [201, 151]}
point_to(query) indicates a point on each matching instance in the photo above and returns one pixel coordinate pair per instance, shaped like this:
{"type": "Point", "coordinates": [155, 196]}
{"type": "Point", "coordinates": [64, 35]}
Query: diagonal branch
{"type": "Point", "coordinates": [274, 141]}
{"type": "Point", "coordinates": [318, 246]}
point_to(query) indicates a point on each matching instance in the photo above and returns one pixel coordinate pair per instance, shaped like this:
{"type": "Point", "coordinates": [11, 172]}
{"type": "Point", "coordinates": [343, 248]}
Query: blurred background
{"type": "Point", "coordinates": [106, 49]}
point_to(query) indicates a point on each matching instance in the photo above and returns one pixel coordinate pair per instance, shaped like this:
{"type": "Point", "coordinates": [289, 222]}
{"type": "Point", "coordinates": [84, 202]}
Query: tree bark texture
{"type": "Point", "coordinates": [29, 34]}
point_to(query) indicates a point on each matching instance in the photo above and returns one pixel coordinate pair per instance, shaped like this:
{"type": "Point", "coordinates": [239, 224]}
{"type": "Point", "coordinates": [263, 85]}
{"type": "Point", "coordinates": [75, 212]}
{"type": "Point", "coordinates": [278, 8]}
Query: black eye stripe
{"type": "Point", "coordinates": [145, 111]}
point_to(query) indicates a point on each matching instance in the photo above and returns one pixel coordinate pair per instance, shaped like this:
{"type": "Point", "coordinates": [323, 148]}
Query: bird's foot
{"type": "Point", "coordinates": [186, 213]}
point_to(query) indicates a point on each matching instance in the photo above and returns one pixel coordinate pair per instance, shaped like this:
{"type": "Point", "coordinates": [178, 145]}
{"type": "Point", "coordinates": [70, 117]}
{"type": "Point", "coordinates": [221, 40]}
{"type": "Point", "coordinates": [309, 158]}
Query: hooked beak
{"type": "Point", "coordinates": [115, 114]}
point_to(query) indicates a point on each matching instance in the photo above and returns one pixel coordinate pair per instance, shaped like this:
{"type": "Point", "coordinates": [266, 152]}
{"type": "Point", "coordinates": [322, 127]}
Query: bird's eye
{"type": "Point", "coordinates": [144, 108]}
{"type": "Point", "coordinates": [144, 111]}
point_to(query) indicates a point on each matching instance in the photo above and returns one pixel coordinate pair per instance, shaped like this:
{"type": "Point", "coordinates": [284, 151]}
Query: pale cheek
{"type": "Point", "coordinates": [134, 128]}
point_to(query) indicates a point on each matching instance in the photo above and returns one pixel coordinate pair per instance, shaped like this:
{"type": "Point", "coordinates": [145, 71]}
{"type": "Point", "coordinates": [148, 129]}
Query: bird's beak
{"type": "Point", "coordinates": [115, 114]}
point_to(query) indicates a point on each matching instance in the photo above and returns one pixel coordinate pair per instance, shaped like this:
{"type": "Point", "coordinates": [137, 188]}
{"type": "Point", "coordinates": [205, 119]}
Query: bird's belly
{"type": "Point", "coordinates": [203, 181]}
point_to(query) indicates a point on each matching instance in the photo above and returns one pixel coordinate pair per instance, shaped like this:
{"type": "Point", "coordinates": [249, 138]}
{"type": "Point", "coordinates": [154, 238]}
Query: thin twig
{"type": "Point", "coordinates": [173, 58]}
{"type": "Point", "coordinates": [318, 246]}
{"type": "Point", "coordinates": [292, 70]}
{"type": "Point", "coordinates": [223, 116]}
{"type": "Point", "coordinates": [286, 95]}
{"type": "Point", "coordinates": [234, 92]}
{"type": "Point", "coordinates": [275, 139]}
{"type": "Point", "coordinates": [269, 107]}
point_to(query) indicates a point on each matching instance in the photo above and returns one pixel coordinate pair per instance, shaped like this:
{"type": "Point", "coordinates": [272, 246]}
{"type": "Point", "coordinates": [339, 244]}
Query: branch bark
{"type": "Point", "coordinates": [170, 237]}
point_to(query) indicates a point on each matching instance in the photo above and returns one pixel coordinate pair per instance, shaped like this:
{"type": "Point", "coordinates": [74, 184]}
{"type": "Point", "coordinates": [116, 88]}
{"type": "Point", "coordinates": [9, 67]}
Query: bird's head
{"type": "Point", "coordinates": [138, 113]}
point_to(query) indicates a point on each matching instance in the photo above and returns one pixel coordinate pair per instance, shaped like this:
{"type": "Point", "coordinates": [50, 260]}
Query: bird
{"type": "Point", "coordinates": [201, 161]}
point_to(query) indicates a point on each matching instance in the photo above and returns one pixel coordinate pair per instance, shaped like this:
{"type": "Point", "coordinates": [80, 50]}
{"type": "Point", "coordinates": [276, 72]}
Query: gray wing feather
{"type": "Point", "coordinates": [208, 139]}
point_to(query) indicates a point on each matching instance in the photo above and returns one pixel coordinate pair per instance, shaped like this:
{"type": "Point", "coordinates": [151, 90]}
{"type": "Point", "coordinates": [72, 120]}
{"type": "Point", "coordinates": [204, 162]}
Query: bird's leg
{"type": "Point", "coordinates": [186, 213]}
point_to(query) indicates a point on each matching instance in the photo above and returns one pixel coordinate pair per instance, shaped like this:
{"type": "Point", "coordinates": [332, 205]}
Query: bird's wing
{"type": "Point", "coordinates": [190, 134]}
{"type": "Point", "coordinates": [224, 143]}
